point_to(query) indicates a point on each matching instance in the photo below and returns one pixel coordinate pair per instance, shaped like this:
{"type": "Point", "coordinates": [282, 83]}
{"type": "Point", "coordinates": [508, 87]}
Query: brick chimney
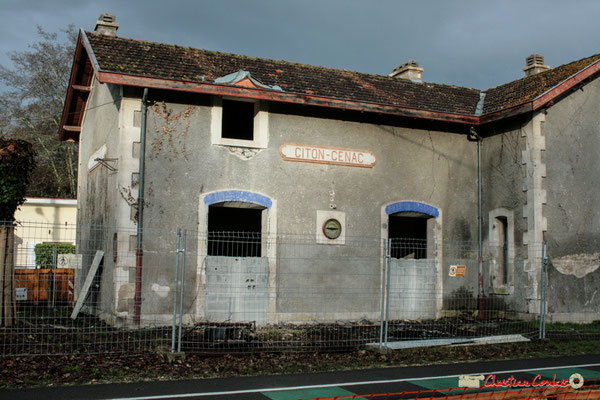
{"type": "Point", "coordinates": [106, 25]}
{"type": "Point", "coordinates": [410, 70]}
{"type": "Point", "coordinates": [534, 64]}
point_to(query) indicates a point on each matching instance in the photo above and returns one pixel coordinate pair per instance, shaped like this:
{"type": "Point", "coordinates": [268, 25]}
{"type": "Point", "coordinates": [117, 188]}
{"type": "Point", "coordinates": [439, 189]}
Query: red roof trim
{"type": "Point", "coordinates": [78, 91]}
{"type": "Point", "coordinates": [62, 134]}
{"type": "Point", "coordinates": [262, 94]}
{"type": "Point", "coordinates": [84, 53]}
{"type": "Point", "coordinates": [564, 86]}
{"type": "Point", "coordinates": [507, 113]}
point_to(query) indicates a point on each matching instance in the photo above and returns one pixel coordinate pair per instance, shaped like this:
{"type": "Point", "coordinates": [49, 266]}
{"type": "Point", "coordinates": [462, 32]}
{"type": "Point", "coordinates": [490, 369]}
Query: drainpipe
{"type": "Point", "coordinates": [473, 135]}
{"type": "Point", "coordinates": [139, 253]}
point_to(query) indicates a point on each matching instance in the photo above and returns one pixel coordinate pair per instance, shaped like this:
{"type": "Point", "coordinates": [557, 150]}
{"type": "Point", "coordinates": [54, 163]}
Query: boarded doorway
{"type": "Point", "coordinates": [413, 276]}
{"type": "Point", "coordinates": [237, 274]}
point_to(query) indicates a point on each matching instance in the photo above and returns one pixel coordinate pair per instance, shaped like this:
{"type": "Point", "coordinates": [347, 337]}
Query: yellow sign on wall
{"type": "Point", "coordinates": [457, 271]}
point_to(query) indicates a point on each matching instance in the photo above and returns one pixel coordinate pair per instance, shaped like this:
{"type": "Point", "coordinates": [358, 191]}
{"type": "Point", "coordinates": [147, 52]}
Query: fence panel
{"type": "Point", "coordinates": [75, 291]}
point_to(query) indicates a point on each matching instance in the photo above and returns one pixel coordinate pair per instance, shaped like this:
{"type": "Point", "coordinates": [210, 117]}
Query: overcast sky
{"type": "Point", "coordinates": [472, 43]}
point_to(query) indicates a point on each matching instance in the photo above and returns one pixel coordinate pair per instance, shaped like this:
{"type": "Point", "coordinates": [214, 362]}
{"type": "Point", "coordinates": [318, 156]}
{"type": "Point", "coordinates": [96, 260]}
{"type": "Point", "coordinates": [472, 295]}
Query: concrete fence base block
{"type": "Point", "coordinates": [409, 344]}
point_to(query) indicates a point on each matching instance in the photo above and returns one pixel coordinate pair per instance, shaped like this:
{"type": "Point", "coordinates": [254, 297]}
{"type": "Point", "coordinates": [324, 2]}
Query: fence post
{"type": "Point", "coordinates": [53, 272]}
{"type": "Point", "coordinates": [543, 290]}
{"type": "Point", "coordinates": [545, 272]}
{"type": "Point", "coordinates": [383, 286]}
{"type": "Point", "coordinates": [175, 291]}
{"type": "Point", "coordinates": [387, 291]}
{"type": "Point", "coordinates": [182, 288]}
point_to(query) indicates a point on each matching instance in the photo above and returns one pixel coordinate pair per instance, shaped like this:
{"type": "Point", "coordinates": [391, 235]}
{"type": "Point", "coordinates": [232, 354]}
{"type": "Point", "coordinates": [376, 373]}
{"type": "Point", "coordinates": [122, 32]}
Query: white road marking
{"type": "Point", "coordinates": [328, 385]}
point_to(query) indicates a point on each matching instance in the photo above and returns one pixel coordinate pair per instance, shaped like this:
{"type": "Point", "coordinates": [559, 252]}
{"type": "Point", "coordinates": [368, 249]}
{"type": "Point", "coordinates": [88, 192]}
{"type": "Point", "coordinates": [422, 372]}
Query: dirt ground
{"type": "Point", "coordinates": [54, 370]}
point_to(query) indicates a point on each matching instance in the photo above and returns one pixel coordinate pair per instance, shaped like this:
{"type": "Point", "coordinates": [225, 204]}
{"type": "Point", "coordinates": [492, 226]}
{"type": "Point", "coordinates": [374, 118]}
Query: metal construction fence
{"type": "Point", "coordinates": [88, 289]}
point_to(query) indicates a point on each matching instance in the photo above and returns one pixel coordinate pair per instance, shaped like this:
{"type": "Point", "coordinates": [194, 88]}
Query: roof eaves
{"type": "Point", "coordinates": [273, 95]}
{"type": "Point", "coordinates": [69, 94]}
{"type": "Point", "coordinates": [89, 49]}
{"type": "Point", "coordinates": [494, 116]}
{"type": "Point", "coordinates": [568, 83]}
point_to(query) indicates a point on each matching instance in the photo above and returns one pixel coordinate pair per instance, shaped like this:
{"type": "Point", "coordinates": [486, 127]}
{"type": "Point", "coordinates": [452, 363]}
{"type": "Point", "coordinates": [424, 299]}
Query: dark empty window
{"type": "Point", "coordinates": [238, 120]}
{"type": "Point", "coordinates": [234, 232]}
{"type": "Point", "coordinates": [408, 236]}
{"type": "Point", "coordinates": [502, 270]}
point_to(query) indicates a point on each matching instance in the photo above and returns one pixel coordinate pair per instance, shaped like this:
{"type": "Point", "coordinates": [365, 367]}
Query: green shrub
{"type": "Point", "coordinates": [16, 162]}
{"type": "Point", "coordinates": [45, 253]}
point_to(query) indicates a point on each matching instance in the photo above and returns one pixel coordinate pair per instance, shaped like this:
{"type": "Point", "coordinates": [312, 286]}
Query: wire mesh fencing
{"type": "Point", "coordinates": [59, 293]}
{"type": "Point", "coordinates": [88, 289]}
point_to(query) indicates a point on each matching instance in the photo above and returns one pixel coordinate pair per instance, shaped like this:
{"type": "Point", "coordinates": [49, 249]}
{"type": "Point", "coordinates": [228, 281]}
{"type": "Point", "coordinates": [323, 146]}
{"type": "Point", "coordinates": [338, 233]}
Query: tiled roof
{"type": "Point", "coordinates": [169, 62]}
{"type": "Point", "coordinates": [524, 90]}
{"type": "Point", "coordinates": [156, 60]}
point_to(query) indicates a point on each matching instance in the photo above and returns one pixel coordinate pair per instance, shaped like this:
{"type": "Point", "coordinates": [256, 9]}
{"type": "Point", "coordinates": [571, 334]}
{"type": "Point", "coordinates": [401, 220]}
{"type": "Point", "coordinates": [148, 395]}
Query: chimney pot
{"type": "Point", "coordinates": [410, 70]}
{"type": "Point", "coordinates": [106, 25]}
{"type": "Point", "coordinates": [534, 64]}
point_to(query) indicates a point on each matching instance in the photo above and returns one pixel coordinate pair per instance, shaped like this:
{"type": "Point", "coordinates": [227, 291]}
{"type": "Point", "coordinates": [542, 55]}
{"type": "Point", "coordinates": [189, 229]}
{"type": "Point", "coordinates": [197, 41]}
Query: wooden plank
{"type": "Point", "coordinates": [82, 88]}
{"type": "Point", "coordinates": [88, 282]}
{"type": "Point", "coordinates": [71, 128]}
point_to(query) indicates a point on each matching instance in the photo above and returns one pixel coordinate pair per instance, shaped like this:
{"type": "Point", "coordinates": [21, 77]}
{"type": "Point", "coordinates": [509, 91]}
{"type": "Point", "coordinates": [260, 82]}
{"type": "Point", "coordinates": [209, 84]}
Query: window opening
{"type": "Point", "coordinates": [408, 234]}
{"type": "Point", "coordinates": [234, 232]}
{"type": "Point", "coordinates": [502, 235]}
{"type": "Point", "coordinates": [238, 120]}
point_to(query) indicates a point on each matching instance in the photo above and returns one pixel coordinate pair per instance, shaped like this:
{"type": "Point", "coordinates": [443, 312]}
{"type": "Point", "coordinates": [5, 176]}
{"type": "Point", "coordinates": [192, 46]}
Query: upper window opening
{"type": "Point", "coordinates": [238, 120]}
{"type": "Point", "coordinates": [408, 235]}
{"type": "Point", "coordinates": [239, 123]}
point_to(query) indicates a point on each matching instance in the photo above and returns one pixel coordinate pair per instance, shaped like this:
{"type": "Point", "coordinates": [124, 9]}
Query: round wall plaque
{"type": "Point", "coordinates": [332, 229]}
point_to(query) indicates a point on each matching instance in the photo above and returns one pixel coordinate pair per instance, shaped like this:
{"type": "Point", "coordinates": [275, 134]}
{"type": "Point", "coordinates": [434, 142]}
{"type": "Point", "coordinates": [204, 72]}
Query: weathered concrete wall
{"type": "Point", "coordinates": [504, 194]}
{"type": "Point", "coordinates": [97, 193]}
{"type": "Point", "coordinates": [537, 175]}
{"type": "Point", "coordinates": [412, 165]}
{"type": "Point", "coordinates": [572, 131]}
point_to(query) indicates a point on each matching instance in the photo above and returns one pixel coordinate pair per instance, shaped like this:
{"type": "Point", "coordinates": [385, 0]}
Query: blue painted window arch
{"type": "Point", "coordinates": [408, 234]}
{"type": "Point", "coordinates": [238, 195]}
{"type": "Point", "coordinates": [412, 206]}
{"type": "Point", "coordinates": [233, 231]}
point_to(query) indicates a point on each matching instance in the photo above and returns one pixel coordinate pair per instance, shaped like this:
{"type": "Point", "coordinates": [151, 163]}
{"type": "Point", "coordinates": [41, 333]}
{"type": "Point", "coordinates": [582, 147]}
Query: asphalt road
{"type": "Point", "coordinates": [303, 386]}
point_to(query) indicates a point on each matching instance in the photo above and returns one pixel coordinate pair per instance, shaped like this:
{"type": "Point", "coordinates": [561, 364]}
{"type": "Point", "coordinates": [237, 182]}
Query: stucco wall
{"type": "Point", "coordinates": [97, 191]}
{"type": "Point", "coordinates": [537, 172]}
{"type": "Point", "coordinates": [572, 131]}
{"type": "Point", "coordinates": [503, 194]}
{"type": "Point", "coordinates": [432, 167]}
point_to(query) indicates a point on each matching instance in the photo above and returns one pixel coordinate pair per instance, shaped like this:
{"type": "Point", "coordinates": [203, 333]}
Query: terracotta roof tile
{"type": "Point", "coordinates": [526, 89]}
{"type": "Point", "coordinates": [171, 62]}
{"type": "Point", "coordinates": [157, 60]}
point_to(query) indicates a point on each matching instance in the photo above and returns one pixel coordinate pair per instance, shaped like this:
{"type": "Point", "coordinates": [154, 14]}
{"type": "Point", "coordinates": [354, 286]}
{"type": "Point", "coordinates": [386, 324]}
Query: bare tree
{"type": "Point", "coordinates": [31, 109]}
